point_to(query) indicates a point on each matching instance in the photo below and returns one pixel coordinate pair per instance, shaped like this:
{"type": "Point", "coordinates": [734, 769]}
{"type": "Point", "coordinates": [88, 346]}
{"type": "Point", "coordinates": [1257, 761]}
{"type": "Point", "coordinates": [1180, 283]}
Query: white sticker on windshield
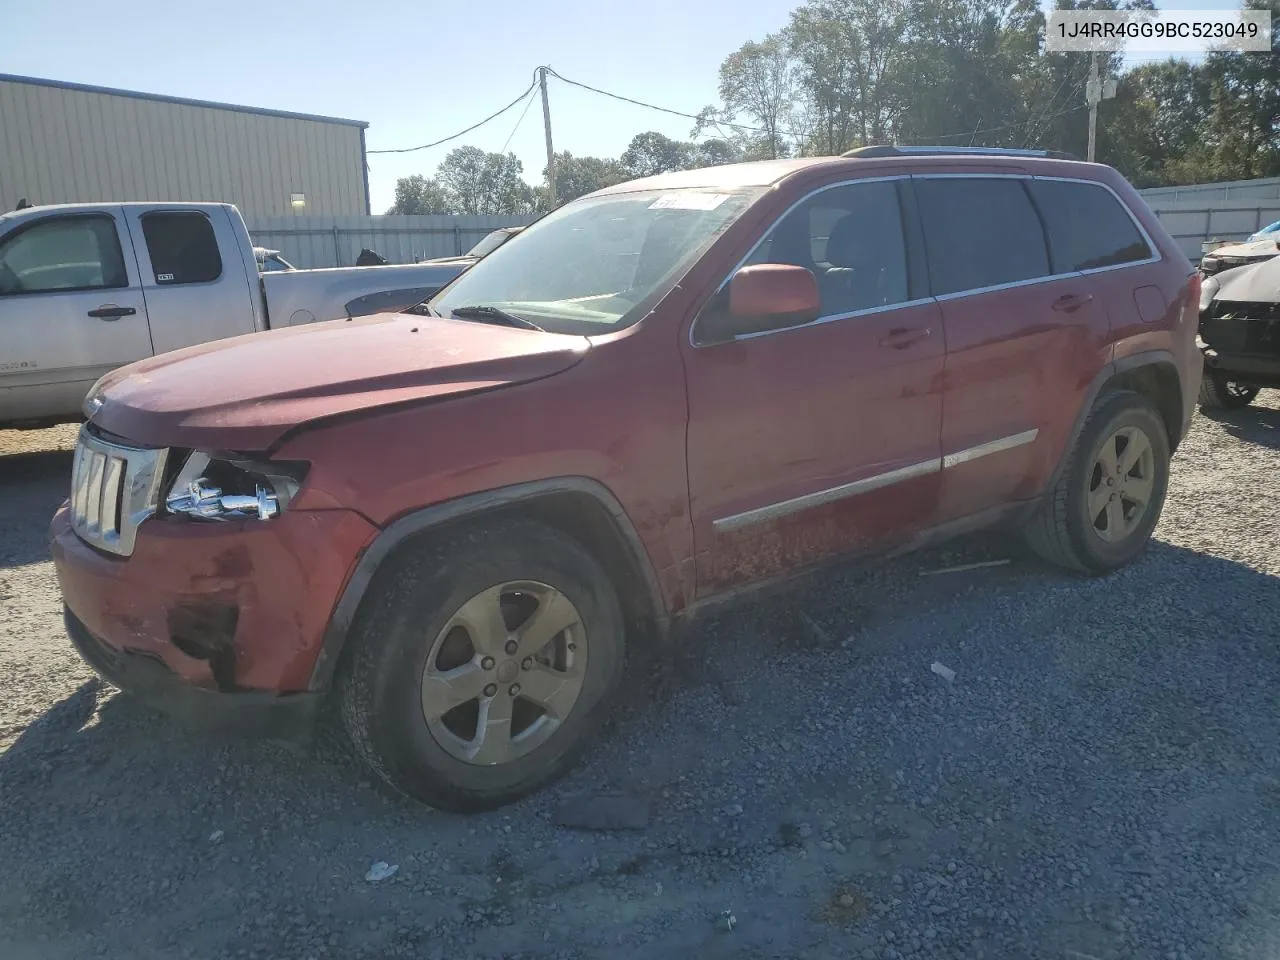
{"type": "Point", "coordinates": [689, 201]}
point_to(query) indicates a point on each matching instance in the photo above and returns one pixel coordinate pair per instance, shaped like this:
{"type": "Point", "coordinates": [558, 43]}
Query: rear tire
{"type": "Point", "coordinates": [402, 702]}
{"type": "Point", "coordinates": [1219, 393]}
{"type": "Point", "coordinates": [1088, 524]}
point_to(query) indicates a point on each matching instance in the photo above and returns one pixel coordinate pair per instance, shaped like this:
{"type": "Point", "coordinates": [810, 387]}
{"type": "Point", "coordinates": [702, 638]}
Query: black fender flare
{"type": "Point", "coordinates": [451, 511]}
{"type": "Point", "coordinates": [1109, 371]}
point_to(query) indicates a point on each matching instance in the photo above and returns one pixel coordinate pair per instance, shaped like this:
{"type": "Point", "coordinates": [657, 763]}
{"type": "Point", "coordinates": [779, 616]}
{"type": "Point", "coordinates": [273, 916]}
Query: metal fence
{"type": "Point", "coordinates": [1267, 188]}
{"type": "Point", "coordinates": [337, 241]}
{"type": "Point", "coordinates": [1191, 223]}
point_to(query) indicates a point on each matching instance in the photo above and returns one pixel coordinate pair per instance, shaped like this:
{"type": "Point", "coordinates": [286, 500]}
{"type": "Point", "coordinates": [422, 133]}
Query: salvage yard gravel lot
{"type": "Point", "coordinates": [1101, 778]}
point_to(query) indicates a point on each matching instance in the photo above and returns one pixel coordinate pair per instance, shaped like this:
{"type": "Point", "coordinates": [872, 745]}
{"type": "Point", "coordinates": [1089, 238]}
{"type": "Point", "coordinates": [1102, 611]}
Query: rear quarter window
{"type": "Point", "coordinates": [1087, 226]}
{"type": "Point", "coordinates": [980, 233]}
{"type": "Point", "coordinates": [182, 247]}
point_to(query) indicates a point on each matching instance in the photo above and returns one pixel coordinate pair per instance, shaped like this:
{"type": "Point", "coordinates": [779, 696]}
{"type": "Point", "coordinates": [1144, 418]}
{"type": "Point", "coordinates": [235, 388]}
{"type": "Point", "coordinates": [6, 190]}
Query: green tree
{"type": "Point", "coordinates": [1244, 125]}
{"type": "Point", "coordinates": [480, 182]}
{"type": "Point", "coordinates": [850, 55]}
{"type": "Point", "coordinates": [716, 151]}
{"type": "Point", "coordinates": [578, 176]}
{"type": "Point", "coordinates": [417, 195]}
{"type": "Point", "coordinates": [652, 152]}
{"type": "Point", "coordinates": [758, 84]}
{"type": "Point", "coordinates": [967, 72]}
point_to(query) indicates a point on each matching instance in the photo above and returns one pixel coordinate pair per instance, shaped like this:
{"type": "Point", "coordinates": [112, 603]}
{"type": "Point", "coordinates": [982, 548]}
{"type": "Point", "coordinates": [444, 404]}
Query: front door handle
{"type": "Point", "coordinates": [1071, 302]}
{"type": "Point", "coordinates": [109, 311]}
{"type": "Point", "coordinates": [903, 337]}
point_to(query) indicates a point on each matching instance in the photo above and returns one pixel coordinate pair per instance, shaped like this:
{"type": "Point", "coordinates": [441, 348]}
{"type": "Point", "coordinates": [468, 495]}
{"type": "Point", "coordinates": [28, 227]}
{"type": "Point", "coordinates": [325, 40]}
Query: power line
{"type": "Point", "coordinates": [462, 133]}
{"type": "Point", "coordinates": [930, 139]}
{"type": "Point", "coordinates": [1006, 126]}
{"type": "Point", "coordinates": [1046, 116]}
{"type": "Point", "coordinates": [528, 103]}
{"type": "Point", "coordinates": [1039, 121]}
{"type": "Point", "coordinates": [651, 106]}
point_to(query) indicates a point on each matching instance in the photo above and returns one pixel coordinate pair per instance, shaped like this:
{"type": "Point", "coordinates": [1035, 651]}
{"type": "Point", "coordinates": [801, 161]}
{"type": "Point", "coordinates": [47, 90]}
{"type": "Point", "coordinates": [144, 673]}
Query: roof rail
{"type": "Point", "coordinates": [888, 150]}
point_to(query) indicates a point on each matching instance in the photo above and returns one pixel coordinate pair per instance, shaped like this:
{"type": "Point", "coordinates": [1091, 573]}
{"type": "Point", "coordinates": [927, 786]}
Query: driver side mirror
{"type": "Point", "coordinates": [775, 290]}
{"type": "Point", "coordinates": [761, 297]}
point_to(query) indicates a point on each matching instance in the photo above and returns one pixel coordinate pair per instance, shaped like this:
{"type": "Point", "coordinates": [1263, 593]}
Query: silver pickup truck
{"type": "Point", "coordinates": [88, 287]}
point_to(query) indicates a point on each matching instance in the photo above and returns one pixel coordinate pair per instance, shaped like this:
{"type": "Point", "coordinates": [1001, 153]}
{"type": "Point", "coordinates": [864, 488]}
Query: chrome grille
{"type": "Point", "coordinates": [113, 489]}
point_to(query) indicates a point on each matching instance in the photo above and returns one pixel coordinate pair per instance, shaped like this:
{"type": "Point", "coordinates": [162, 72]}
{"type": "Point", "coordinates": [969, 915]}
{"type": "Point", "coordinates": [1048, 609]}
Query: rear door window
{"type": "Point", "coordinates": [182, 247]}
{"type": "Point", "coordinates": [61, 254]}
{"type": "Point", "coordinates": [1087, 226]}
{"type": "Point", "coordinates": [980, 233]}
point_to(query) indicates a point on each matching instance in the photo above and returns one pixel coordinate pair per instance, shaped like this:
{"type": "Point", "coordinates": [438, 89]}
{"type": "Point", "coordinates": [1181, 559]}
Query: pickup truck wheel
{"type": "Point", "coordinates": [1218, 393]}
{"type": "Point", "coordinates": [1107, 500]}
{"type": "Point", "coordinates": [481, 664]}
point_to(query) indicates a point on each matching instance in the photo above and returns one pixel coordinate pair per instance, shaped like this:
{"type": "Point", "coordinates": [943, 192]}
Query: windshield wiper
{"type": "Point", "coordinates": [487, 314]}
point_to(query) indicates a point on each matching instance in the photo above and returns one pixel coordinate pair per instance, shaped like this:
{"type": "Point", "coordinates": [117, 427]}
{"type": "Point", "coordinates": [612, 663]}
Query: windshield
{"type": "Point", "coordinates": [1266, 231]}
{"type": "Point", "coordinates": [596, 264]}
{"type": "Point", "coordinates": [490, 243]}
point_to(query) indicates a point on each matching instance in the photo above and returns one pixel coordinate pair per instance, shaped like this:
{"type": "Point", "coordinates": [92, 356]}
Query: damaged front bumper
{"type": "Point", "coordinates": [250, 713]}
{"type": "Point", "coordinates": [1241, 342]}
{"type": "Point", "coordinates": [219, 623]}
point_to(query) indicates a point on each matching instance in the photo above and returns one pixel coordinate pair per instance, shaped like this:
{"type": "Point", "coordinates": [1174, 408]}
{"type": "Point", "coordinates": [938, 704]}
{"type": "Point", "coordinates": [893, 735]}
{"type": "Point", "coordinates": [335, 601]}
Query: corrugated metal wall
{"type": "Point", "coordinates": [64, 143]}
{"type": "Point", "coordinates": [1190, 223]}
{"type": "Point", "coordinates": [1215, 211]}
{"type": "Point", "coordinates": [1266, 188]}
{"type": "Point", "coordinates": [337, 241]}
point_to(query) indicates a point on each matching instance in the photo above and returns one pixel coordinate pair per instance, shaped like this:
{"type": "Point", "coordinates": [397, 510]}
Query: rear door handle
{"type": "Point", "coordinates": [109, 311]}
{"type": "Point", "coordinates": [903, 337]}
{"type": "Point", "coordinates": [1071, 302]}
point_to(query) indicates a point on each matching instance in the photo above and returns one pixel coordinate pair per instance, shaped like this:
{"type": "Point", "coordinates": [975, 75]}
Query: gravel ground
{"type": "Point", "coordinates": [1101, 778]}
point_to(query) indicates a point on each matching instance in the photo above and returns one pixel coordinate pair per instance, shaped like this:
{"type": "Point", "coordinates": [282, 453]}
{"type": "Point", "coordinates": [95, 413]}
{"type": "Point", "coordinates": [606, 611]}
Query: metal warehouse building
{"type": "Point", "coordinates": [67, 142]}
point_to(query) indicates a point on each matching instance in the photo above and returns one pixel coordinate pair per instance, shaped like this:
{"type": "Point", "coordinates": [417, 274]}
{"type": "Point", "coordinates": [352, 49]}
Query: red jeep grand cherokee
{"type": "Point", "coordinates": [452, 520]}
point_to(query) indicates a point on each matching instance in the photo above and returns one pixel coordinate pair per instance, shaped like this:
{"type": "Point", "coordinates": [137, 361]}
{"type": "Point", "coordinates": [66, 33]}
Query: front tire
{"type": "Point", "coordinates": [1107, 500]}
{"type": "Point", "coordinates": [481, 664]}
{"type": "Point", "coordinates": [1219, 393]}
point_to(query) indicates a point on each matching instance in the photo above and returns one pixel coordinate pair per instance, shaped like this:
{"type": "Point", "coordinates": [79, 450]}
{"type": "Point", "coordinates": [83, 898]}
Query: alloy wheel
{"type": "Point", "coordinates": [504, 672]}
{"type": "Point", "coordinates": [1121, 484]}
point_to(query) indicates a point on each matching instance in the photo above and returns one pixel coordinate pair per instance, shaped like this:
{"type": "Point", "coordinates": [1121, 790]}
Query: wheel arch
{"type": "Point", "coordinates": [1152, 373]}
{"type": "Point", "coordinates": [578, 506]}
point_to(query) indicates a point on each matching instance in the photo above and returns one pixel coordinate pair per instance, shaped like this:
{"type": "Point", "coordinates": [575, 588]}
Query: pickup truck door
{"type": "Point", "coordinates": [194, 275]}
{"type": "Point", "coordinates": [71, 309]}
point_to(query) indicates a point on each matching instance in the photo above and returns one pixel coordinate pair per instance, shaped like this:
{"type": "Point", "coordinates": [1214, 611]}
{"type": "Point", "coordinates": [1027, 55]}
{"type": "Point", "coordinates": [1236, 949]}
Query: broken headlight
{"type": "Point", "coordinates": [231, 487]}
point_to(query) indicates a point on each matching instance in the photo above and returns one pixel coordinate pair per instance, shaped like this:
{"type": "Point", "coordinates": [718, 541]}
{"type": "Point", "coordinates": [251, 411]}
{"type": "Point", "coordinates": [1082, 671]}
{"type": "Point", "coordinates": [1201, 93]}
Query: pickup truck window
{"type": "Point", "coordinates": [182, 247]}
{"type": "Point", "coordinates": [60, 254]}
{"type": "Point", "coordinates": [600, 263]}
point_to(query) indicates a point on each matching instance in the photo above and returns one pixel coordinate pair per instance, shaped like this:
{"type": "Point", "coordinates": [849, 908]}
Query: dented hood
{"type": "Point", "coordinates": [244, 393]}
{"type": "Point", "coordinates": [1256, 283]}
{"type": "Point", "coordinates": [1267, 247]}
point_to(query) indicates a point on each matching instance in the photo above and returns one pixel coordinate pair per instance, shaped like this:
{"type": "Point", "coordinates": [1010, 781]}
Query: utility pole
{"type": "Point", "coordinates": [546, 127]}
{"type": "Point", "coordinates": [1092, 94]}
{"type": "Point", "coordinates": [1095, 91]}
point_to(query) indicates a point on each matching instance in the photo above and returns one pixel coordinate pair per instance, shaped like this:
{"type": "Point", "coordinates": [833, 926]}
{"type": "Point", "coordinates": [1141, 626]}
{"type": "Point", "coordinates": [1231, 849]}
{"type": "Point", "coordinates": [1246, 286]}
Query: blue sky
{"type": "Point", "coordinates": [417, 71]}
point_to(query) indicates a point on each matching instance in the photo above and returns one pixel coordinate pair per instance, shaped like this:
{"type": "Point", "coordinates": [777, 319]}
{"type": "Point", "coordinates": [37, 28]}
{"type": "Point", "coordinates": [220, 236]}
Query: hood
{"type": "Point", "coordinates": [1256, 283]}
{"type": "Point", "coordinates": [244, 393]}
